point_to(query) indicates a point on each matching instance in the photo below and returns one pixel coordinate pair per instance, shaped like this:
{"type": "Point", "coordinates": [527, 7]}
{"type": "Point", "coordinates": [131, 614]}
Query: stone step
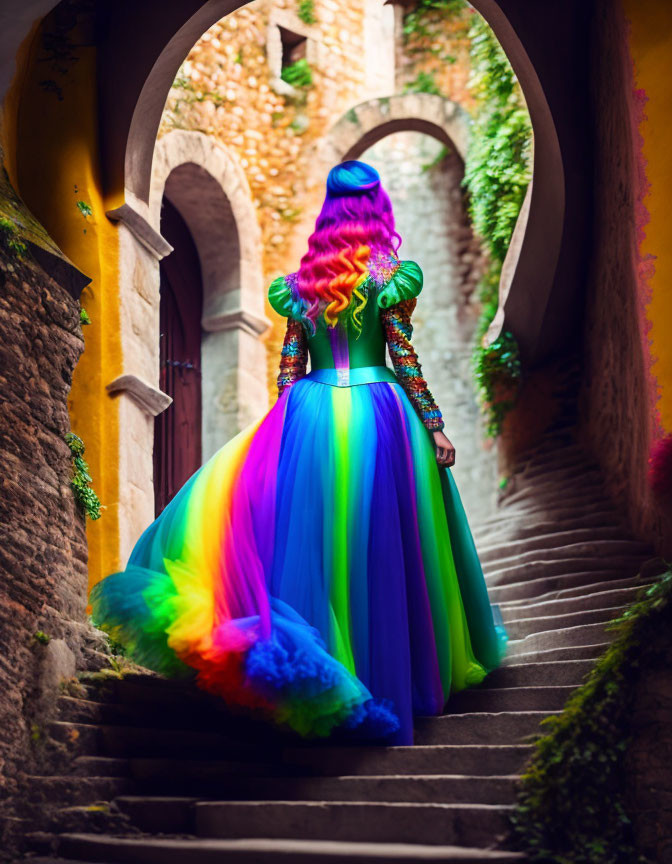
{"type": "Point", "coordinates": [557, 488]}
{"type": "Point", "coordinates": [584, 634]}
{"type": "Point", "coordinates": [100, 766]}
{"type": "Point", "coordinates": [533, 589]}
{"type": "Point", "coordinates": [571, 653]}
{"type": "Point", "coordinates": [119, 741]}
{"type": "Point", "coordinates": [501, 549]}
{"type": "Point", "coordinates": [518, 525]}
{"type": "Point", "coordinates": [557, 506]}
{"type": "Point", "coordinates": [511, 530]}
{"type": "Point", "coordinates": [158, 850]}
{"type": "Point", "coordinates": [534, 698]}
{"type": "Point", "coordinates": [551, 673]}
{"type": "Point", "coordinates": [597, 550]}
{"type": "Point", "coordinates": [76, 790]}
{"type": "Point", "coordinates": [565, 606]}
{"type": "Point", "coordinates": [621, 566]}
{"type": "Point", "coordinates": [553, 512]}
{"type": "Point", "coordinates": [523, 627]}
{"type": "Point", "coordinates": [407, 788]}
{"type": "Point", "coordinates": [184, 714]}
{"type": "Point", "coordinates": [633, 582]}
{"type": "Point", "coordinates": [503, 727]}
{"type": "Point", "coordinates": [487, 759]}
{"type": "Point", "coordinates": [434, 824]}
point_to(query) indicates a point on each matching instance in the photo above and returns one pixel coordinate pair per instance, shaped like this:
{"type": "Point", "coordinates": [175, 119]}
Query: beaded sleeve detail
{"type": "Point", "coordinates": [398, 329]}
{"type": "Point", "coordinates": [293, 356]}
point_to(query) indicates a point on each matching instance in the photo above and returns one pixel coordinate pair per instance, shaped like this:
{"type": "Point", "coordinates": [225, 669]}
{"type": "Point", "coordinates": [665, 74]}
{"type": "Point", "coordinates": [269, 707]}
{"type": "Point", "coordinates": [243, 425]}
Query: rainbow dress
{"type": "Point", "coordinates": [319, 569]}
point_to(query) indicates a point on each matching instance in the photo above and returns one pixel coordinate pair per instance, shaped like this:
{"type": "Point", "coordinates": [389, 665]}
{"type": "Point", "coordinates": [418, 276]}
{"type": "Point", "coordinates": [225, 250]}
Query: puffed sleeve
{"type": "Point", "coordinates": [279, 296]}
{"type": "Point", "coordinates": [405, 284]}
{"type": "Point", "coordinates": [293, 356]}
{"type": "Point", "coordinates": [396, 320]}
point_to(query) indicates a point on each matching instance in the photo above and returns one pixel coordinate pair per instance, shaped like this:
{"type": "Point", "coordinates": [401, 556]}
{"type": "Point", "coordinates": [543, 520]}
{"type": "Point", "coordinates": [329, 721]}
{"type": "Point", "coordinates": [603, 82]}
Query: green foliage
{"type": "Point", "coordinates": [85, 209]}
{"type": "Point", "coordinates": [497, 373]}
{"type": "Point", "coordinates": [298, 74]}
{"type": "Point", "coordinates": [497, 172]}
{"type": "Point", "coordinates": [306, 11]}
{"type": "Point", "coordinates": [418, 21]}
{"type": "Point", "coordinates": [86, 498]}
{"type": "Point", "coordinates": [84, 317]}
{"type": "Point", "coordinates": [41, 637]}
{"type": "Point", "coordinates": [424, 82]}
{"type": "Point", "coordinates": [9, 238]}
{"type": "Point", "coordinates": [571, 803]}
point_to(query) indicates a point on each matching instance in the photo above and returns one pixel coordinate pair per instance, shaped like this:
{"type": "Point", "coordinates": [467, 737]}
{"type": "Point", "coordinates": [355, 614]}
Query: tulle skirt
{"type": "Point", "coordinates": [318, 570]}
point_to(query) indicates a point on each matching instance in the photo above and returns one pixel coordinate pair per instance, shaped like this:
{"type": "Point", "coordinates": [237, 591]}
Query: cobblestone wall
{"type": "Point", "coordinates": [423, 180]}
{"type": "Point", "coordinates": [43, 575]}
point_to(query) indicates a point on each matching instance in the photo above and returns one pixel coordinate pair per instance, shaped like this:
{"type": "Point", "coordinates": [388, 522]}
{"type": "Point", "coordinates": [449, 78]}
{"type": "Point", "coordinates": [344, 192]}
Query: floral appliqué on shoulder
{"type": "Point", "coordinates": [382, 266]}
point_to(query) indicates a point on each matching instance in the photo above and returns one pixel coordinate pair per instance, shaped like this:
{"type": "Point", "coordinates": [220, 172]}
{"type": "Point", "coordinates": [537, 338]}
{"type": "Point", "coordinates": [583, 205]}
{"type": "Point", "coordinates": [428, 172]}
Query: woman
{"type": "Point", "coordinates": [319, 569]}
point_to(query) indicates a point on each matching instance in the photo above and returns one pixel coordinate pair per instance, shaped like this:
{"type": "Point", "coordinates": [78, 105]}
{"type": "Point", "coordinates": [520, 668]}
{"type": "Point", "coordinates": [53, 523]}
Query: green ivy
{"type": "Point", "coordinates": [497, 373]}
{"type": "Point", "coordinates": [306, 11]}
{"type": "Point", "coordinates": [86, 498]}
{"type": "Point", "coordinates": [84, 317]}
{"type": "Point", "coordinates": [298, 74]}
{"type": "Point", "coordinates": [497, 173]}
{"type": "Point", "coordinates": [418, 21]}
{"type": "Point", "coordinates": [424, 82]}
{"type": "Point", "coordinates": [571, 800]}
{"type": "Point", "coordinates": [9, 238]}
{"type": "Point", "coordinates": [85, 209]}
{"type": "Point", "coordinates": [41, 637]}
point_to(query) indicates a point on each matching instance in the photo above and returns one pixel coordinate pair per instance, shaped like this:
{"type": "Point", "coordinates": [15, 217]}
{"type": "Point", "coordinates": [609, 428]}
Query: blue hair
{"type": "Point", "coordinates": [351, 177]}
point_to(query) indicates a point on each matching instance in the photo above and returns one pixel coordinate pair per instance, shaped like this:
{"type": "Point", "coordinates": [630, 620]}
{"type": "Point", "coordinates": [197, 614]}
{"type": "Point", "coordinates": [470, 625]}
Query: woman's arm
{"type": "Point", "coordinates": [293, 356]}
{"type": "Point", "coordinates": [398, 329]}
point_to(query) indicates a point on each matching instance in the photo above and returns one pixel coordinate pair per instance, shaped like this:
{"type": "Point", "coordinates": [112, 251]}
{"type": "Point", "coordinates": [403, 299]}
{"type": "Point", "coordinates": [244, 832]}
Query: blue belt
{"type": "Point", "coordinates": [351, 377]}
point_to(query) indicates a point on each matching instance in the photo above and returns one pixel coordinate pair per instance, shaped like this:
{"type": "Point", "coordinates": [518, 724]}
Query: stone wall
{"type": "Point", "coordinates": [616, 416]}
{"type": "Point", "coordinates": [649, 797]}
{"type": "Point", "coordinates": [43, 555]}
{"type": "Point", "coordinates": [423, 180]}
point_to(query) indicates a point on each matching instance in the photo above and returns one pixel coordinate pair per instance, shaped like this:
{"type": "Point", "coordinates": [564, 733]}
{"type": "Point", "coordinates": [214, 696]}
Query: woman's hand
{"type": "Point", "coordinates": [445, 452]}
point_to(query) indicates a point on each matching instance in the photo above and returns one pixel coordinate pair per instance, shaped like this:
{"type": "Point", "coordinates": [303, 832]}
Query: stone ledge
{"type": "Point", "coordinates": [140, 228]}
{"type": "Point", "coordinates": [238, 319]}
{"type": "Point", "coordinates": [152, 400]}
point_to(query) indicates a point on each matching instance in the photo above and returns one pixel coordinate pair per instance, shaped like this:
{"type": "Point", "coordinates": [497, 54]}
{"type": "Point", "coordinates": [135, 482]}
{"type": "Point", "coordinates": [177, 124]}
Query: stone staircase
{"type": "Point", "coordinates": [158, 773]}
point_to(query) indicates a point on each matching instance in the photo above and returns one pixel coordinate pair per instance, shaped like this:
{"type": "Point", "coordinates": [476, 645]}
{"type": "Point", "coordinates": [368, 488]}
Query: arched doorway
{"type": "Point", "coordinates": [177, 430]}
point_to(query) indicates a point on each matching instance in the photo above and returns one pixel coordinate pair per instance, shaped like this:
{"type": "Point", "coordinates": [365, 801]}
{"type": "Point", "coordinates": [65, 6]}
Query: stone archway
{"type": "Point", "coordinates": [207, 186]}
{"type": "Point", "coordinates": [368, 122]}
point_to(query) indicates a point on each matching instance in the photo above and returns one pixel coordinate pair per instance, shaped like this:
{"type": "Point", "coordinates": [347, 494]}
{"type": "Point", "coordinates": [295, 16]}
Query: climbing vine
{"type": "Point", "coordinates": [86, 498]}
{"type": "Point", "coordinates": [497, 173]}
{"type": "Point", "coordinates": [497, 168]}
{"type": "Point", "coordinates": [571, 803]}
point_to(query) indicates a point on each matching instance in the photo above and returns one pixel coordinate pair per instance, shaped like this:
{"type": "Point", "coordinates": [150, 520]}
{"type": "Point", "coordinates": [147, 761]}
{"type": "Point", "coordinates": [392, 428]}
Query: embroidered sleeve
{"type": "Point", "coordinates": [293, 356]}
{"type": "Point", "coordinates": [398, 331]}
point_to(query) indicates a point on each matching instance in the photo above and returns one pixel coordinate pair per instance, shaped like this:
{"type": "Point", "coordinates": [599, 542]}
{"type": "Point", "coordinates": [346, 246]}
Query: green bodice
{"type": "Point", "coordinates": [344, 345]}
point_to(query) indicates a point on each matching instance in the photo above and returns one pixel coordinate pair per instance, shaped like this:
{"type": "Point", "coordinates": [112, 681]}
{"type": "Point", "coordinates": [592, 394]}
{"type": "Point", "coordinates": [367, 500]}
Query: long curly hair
{"type": "Point", "coordinates": [356, 223]}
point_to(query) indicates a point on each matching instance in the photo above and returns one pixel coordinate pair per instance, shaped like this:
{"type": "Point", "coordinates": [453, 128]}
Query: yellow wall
{"type": "Point", "coordinates": [57, 166]}
{"type": "Point", "coordinates": [651, 47]}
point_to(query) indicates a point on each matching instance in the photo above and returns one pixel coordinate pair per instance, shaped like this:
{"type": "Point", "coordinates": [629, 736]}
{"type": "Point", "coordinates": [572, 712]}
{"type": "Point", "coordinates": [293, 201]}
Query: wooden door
{"type": "Point", "coordinates": [177, 431]}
